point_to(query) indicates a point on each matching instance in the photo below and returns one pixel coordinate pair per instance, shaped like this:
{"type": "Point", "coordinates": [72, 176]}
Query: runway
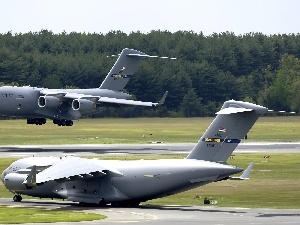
{"type": "Point", "coordinates": [155, 148]}
{"type": "Point", "coordinates": [170, 215]}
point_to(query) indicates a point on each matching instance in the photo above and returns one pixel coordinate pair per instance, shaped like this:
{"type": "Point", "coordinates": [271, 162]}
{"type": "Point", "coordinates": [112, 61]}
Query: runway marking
{"type": "Point", "coordinates": [14, 206]}
{"type": "Point", "coordinates": [23, 154]}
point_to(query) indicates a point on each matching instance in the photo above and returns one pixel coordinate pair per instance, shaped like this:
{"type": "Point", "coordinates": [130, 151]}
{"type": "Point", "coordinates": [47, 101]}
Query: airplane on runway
{"type": "Point", "coordinates": [127, 183]}
{"type": "Point", "coordinates": [65, 105]}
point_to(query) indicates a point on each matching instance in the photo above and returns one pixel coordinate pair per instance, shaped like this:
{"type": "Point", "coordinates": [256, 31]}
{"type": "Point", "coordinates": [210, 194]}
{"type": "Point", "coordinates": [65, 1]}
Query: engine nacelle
{"type": "Point", "coordinates": [83, 105]}
{"type": "Point", "coordinates": [14, 181]}
{"type": "Point", "coordinates": [48, 101]}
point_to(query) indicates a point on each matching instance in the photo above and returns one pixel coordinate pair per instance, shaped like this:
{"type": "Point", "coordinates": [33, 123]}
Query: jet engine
{"type": "Point", "coordinates": [83, 105]}
{"type": "Point", "coordinates": [14, 181]}
{"type": "Point", "coordinates": [49, 101]}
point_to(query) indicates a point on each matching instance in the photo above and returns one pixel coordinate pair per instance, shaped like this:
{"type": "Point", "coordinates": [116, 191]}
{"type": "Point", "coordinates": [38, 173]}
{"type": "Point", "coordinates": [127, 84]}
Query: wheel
{"type": "Point", "coordinates": [69, 123]}
{"type": "Point", "coordinates": [17, 198]}
{"type": "Point", "coordinates": [134, 204]}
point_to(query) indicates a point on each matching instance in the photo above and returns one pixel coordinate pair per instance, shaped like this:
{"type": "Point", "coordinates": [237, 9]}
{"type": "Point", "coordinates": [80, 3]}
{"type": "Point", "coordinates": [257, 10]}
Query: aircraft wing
{"type": "Point", "coordinates": [99, 99]}
{"type": "Point", "coordinates": [74, 168]}
{"type": "Point", "coordinates": [109, 100]}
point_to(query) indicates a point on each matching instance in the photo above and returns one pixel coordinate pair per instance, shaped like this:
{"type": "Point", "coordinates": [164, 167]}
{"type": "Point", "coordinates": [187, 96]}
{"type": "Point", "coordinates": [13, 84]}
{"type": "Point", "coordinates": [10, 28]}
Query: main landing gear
{"type": "Point", "coordinates": [36, 121]}
{"type": "Point", "coordinates": [17, 198]}
{"type": "Point", "coordinates": [63, 122]}
{"type": "Point", "coordinates": [41, 121]}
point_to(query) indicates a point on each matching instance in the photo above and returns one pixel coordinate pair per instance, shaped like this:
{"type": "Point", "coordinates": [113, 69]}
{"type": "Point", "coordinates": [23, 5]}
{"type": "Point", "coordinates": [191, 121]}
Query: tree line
{"type": "Point", "coordinates": [209, 70]}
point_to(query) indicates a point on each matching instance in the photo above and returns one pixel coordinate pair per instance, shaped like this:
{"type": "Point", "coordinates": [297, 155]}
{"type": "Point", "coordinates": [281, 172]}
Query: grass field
{"type": "Point", "coordinates": [274, 183]}
{"type": "Point", "coordinates": [8, 215]}
{"type": "Point", "coordinates": [139, 130]}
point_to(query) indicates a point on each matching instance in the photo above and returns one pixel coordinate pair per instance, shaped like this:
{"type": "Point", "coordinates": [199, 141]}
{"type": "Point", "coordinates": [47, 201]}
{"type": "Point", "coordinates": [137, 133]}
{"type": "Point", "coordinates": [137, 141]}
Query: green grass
{"type": "Point", "coordinates": [274, 183]}
{"type": "Point", "coordinates": [139, 130]}
{"type": "Point", "coordinates": [17, 215]}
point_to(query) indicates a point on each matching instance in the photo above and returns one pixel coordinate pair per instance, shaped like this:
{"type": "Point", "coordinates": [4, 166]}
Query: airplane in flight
{"type": "Point", "coordinates": [128, 183]}
{"type": "Point", "coordinates": [65, 105]}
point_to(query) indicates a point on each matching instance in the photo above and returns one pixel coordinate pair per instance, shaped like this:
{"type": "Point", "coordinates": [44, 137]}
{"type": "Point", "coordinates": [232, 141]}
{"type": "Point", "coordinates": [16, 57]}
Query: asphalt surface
{"type": "Point", "coordinates": [159, 148]}
{"type": "Point", "coordinates": [170, 215]}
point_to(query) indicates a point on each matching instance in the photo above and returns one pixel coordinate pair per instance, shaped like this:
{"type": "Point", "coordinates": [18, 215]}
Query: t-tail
{"type": "Point", "coordinates": [232, 124]}
{"type": "Point", "coordinates": [125, 66]}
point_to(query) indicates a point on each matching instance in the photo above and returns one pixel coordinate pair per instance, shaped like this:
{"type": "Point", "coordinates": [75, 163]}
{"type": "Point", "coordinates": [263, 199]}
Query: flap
{"type": "Point", "coordinates": [83, 96]}
{"type": "Point", "coordinates": [125, 101]}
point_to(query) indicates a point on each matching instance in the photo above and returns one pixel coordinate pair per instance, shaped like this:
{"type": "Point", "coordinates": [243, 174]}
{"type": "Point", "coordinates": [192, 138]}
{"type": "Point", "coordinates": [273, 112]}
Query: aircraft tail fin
{"type": "Point", "coordinates": [123, 69]}
{"type": "Point", "coordinates": [125, 66]}
{"type": "Point", "coordinates": [231, 124]}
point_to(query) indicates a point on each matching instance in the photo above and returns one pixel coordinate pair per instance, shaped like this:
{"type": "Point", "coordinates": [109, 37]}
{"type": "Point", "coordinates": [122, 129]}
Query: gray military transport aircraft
{"type": "Point", "coordinates": [127, 183]}
{"type": "Point", "coordinates": [65, 105]}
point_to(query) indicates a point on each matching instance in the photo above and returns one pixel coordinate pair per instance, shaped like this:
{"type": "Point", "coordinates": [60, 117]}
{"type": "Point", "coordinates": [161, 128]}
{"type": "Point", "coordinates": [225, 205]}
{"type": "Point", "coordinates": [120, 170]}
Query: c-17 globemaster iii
{"type": "Point", "coordinates": [65, 105]}
{"type": "Point", "coordinates": [127, 183]}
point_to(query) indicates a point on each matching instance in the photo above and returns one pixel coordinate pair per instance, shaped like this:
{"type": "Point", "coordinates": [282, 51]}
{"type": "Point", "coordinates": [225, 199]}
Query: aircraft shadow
{"type": "Point", "coordinates": [188, 209]}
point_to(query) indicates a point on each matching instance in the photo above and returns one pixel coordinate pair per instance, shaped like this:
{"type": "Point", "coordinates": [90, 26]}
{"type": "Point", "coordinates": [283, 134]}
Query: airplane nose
{"type": "Point", "coordinates": [3, 175]}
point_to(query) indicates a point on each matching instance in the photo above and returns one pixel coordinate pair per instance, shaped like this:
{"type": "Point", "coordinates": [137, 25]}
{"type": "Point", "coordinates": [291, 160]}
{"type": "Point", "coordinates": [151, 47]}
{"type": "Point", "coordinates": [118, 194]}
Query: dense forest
{"type": "Point", "coordinates": [209, 69]}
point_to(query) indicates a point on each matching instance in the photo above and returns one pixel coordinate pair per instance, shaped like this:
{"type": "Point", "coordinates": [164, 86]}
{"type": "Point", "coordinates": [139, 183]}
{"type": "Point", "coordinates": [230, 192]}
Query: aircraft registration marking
{"type": "Point", "coordinates": [218, 140]}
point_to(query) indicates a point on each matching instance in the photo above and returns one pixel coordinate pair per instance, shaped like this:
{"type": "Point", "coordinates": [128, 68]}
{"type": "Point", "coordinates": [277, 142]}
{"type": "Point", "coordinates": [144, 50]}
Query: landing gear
{"type": "Point", "coordinates": [126, 204]}
{"type": "Point", "coordinates": [63, 122]}
{"type": "Point", "coordinates": [36, 121]}
{"type": "Point", "coordinates": [17, 198]}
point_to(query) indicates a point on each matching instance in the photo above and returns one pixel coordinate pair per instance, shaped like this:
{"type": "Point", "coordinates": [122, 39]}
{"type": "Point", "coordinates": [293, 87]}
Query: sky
{"type": "Point", "coordinates": [101, 16]}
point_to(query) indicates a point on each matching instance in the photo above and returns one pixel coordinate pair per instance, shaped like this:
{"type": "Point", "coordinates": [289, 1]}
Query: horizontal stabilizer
{"type": "Point", "coordinates": [233, 110]}
{"type": "Point", "coordinates": [150, 56]}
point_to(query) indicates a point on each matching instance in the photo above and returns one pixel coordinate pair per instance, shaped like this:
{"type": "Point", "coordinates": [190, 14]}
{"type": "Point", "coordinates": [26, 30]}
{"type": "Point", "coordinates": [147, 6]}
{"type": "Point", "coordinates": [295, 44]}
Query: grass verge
{"type": "Point", "coordinates": [18, 215]}
{"type": "Point", "coordinates": [139, 130]}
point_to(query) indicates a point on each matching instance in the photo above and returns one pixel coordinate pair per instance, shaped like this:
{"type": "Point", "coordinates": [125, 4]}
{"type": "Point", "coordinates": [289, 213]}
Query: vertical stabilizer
{"type": "Point", "coordinates": [123, 69]}
{"type": "Point", "coordinates": [232, 124]}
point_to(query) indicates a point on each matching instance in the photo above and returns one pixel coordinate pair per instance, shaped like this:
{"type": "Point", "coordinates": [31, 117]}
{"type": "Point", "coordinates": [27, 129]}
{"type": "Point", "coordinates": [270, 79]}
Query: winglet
{"type": "Point", "coordinates": [163, 98]}
{"type": "Point", "coordinates": [245, 175]}
{"type": "Point", "coordinates": [31, 179]}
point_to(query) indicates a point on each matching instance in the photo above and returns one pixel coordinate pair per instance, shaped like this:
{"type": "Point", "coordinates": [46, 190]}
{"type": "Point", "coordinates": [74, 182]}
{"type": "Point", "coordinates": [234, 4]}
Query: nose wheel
{"type": "Point", "coordinates": [17, 198]}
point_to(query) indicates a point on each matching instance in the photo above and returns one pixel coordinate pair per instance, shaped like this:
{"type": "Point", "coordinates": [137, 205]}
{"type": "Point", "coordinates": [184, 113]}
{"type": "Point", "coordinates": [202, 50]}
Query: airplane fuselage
{"type": "Point", "coordinates": [141, 180]}
{"type": "Point", "coordinates": [23, 102]}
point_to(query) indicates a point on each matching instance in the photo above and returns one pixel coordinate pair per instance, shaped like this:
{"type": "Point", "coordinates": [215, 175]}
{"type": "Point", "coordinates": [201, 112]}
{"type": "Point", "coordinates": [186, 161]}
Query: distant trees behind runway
{"type": "Point", "coordinates": [209, 69]}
